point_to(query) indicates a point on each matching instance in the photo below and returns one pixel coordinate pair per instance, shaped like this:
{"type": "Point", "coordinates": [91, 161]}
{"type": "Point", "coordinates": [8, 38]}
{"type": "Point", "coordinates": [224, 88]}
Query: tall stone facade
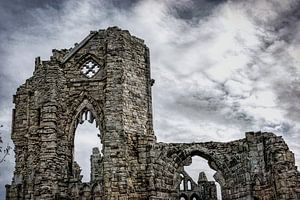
{"type": "Point", "coordinates": [106, 79]}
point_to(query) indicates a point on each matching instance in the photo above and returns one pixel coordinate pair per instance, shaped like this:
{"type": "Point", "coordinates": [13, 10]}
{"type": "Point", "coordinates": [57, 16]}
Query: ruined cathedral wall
{"type": "Point", "coordinates": [106, 79]}
{"type": "Point", "coordinates": [57, 97]}
{"type": "Point", "coordinates": [261, 165]}
{"type": "Point", "coordinates": [32, 126]}
{"type": "Point", "coordinates": [80, 95]}
{"type": "Point", "coordinates": [24, 145]}
{"type": "Point", "coordinates": [168, 161]}
{"type": "Point", "coordinates": [279, 169]}
{"type": "Point", "coordinates": [120, 96]}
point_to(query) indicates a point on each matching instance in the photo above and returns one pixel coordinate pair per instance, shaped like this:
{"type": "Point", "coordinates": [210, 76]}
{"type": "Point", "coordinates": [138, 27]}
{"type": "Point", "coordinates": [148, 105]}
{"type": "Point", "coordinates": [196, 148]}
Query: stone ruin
{"type": "Point", "coordinates": [203, 189]}
{"type": "Point", "coordinates": [106, 78]}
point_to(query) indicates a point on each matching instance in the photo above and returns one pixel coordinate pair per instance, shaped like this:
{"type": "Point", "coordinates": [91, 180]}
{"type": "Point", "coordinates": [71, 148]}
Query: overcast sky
{"type": "Point", "coordinates": [221, 68]}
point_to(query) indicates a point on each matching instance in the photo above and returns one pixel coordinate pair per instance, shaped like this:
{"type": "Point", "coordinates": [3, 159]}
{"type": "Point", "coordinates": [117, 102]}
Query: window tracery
{"type": "Point", "coordinates": [90, 68]}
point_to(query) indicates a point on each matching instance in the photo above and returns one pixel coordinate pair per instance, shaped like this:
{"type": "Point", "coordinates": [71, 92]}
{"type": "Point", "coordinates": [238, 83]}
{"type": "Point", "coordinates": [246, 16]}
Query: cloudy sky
{"type": "Point", "coordinates": [221, 68]}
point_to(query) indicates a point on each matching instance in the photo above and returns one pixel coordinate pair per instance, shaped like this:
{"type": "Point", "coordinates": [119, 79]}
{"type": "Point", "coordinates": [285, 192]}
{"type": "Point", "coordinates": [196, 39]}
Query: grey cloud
{"type": "Point", "coordinates": [17, 13]}
{"type": "Point", "coordinates": [284, 128]}
{"type": "Point", "coordinates": [288, 97]}
{"type": "Point", "coordinates": [194, 10]}
{"type": "Point", "coordinates": [214, 107]}
{"type": "Point", "coordinates": [180, 36]}
{"type": "Point", "coordinates": [207, 106]}
{"type": "Point", "coordinates": [124, 4]}
{"type": "Point", "coordinates": [275, 64]}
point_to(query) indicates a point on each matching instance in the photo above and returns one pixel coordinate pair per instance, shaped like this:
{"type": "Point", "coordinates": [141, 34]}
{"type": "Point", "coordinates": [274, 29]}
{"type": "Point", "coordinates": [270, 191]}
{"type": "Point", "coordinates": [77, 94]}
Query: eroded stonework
{"type": "Point", "coordinates": [106, 79]}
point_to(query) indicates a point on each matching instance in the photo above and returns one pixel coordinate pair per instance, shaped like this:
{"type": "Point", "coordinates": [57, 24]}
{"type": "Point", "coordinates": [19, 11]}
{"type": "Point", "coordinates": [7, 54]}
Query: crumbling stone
{"type": "Point", "coordinates": [106, 79]}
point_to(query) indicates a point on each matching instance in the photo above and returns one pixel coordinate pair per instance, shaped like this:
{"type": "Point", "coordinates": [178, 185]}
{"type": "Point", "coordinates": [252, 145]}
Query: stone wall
{"type": "Point", "coordinates": [106, 79]}
{"type": "Point", "coordinates": [257, 167]}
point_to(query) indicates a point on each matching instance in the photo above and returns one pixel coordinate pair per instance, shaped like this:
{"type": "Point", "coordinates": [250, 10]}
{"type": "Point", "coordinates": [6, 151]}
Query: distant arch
{"type": "Point", "coordinates": [189, 185]}
{"type": "Point", "coordinates": [194, 197]}
{"type": "Point", "coordinates": [183, 197]}
{"type": "Point", "coordinates": [181, 186]}
{"type": "Point", "coordinates": [217, 159]}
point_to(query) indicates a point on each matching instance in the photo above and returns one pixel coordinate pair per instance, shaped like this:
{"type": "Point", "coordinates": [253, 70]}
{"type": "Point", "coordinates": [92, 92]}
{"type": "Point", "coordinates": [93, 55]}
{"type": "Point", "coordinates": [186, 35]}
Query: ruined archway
{"type": "Point", "coordinates": [203, 177]}
{"type": "Point", "coordinates": [86, 145]}
{"type": "Point", "coordinates": [83, 104]}
{"type": "Point", "coordinates": [183, 197]}
{"type": "Point", "coordinates": [182, 157]}
{"type": "Point", "coordinates": [83, 108]}
{"type": "Point", "coordinates": [195, 197]}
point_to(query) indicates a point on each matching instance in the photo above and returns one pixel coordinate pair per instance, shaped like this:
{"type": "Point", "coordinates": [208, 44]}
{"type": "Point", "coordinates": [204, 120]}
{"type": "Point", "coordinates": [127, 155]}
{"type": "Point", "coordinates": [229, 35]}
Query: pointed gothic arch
{"type": "Point", "coordinates": [82, 104]}
{"type": "Point", "coordinates": [195, 197]}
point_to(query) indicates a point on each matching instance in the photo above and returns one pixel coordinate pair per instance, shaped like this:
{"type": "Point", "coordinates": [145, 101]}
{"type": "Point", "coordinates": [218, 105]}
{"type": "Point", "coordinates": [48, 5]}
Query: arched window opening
{"type": "Point", "coordinates": [183, 197]}
{"type": "Point", "coordinates": [85, 140]}
{"type": "Point", "coordinates": [195, 197]}
{"type": "Point", "coordinates": [189, 185]}
{"type": "Point", "coordinates": [181, 187]}
{"type": "Point", "coordinates": [200, 172]}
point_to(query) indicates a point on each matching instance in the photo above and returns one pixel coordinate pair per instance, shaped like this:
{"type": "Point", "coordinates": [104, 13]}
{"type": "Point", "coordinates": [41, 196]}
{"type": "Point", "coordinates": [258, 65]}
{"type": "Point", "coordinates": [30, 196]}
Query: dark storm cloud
{"type": "Point", "coordinates": [209, 106]}
{"type": "Point", "coordinates": [20, 5]}
{"type": "Point", "coordinates": [124, 4]}
{"type": "Point", "coordinates": [195, 10]}
{"type": "Point", "coordinates": [288, 88]}
{"type": "Point", "coordinates": [288, 97]}
{"type": "Point", "coordinates": [15, 14]}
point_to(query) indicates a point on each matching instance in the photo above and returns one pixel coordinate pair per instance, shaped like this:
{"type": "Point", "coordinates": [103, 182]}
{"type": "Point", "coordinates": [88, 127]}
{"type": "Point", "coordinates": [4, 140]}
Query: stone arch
{"type": "Point", "coordinates": [189, 185]}
{"type": "Point", "coordinates": [217, 160]}
{"type": "Point", "coordinates": [183, 196]}
{"type": "Point", "coordinates": [214, 159]}
{"type": "Point", "coordinates": [78, 104]}
{"type": "Point", "coordinates": [186, 182]}
{"type": "Point", "coordinates": [194, 196]}
{"type": "Point", "coordinates": [181, 182]}
{"type": "Point", "coordinates": [85, 190]}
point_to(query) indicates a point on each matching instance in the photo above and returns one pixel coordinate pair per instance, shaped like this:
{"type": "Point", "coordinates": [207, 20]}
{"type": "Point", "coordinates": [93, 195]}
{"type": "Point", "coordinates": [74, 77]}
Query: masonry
{"type": "Point", "coordinates": [106, 79]}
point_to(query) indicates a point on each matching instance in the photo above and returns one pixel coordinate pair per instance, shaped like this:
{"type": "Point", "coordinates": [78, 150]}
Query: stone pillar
{"type": "Point", "coordinates": [96, 160]}
{"type": "Point", "coordinates": [128, 107]}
